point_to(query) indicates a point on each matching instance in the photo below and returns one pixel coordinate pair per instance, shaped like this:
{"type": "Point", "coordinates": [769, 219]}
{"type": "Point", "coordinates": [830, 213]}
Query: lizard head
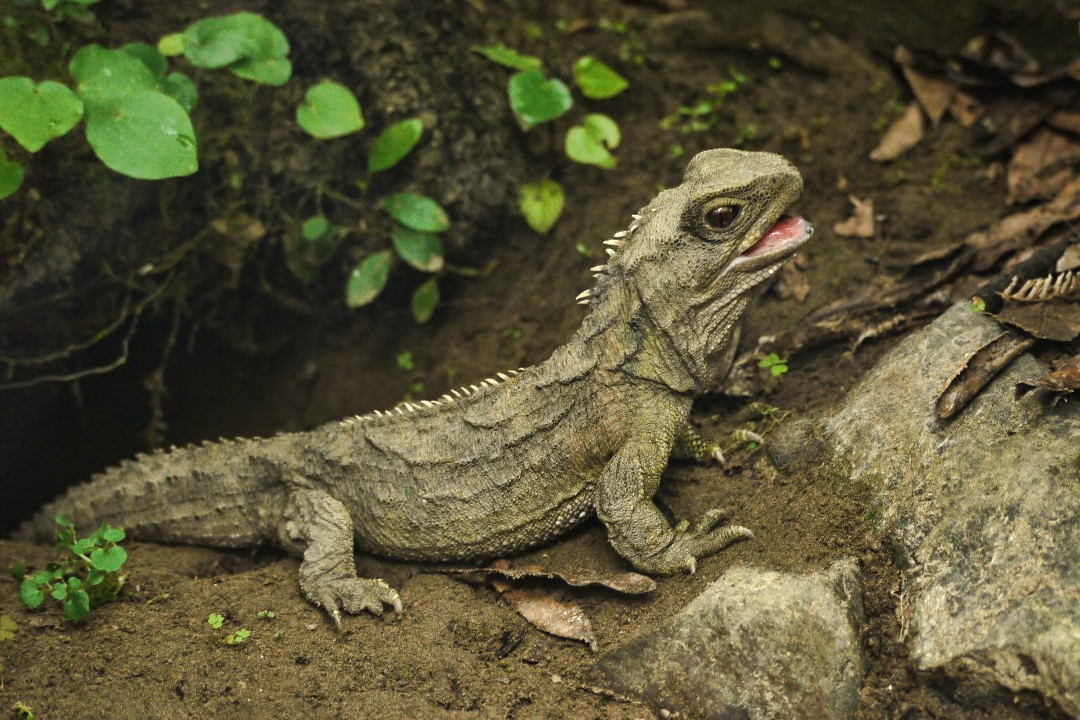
{"type": "Point", "coordinates": [686, 266]}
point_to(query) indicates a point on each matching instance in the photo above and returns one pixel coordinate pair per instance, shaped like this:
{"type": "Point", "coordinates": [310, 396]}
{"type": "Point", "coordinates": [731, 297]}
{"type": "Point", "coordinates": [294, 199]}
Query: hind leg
{"type": "Point", "coordinates": [320, 527]}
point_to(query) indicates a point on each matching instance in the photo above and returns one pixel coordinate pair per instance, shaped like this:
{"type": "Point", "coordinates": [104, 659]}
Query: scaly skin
{"type": "Point", "coordinates": [515, 461]}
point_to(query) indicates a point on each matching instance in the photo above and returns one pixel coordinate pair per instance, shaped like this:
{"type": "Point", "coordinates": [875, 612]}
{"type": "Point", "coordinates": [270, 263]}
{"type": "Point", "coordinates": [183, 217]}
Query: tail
{"type": "Point", "coordinates": [226, 494]}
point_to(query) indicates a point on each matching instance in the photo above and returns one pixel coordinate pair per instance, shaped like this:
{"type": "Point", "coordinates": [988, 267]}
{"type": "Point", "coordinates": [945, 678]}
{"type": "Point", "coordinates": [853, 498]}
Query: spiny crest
{"type": "Point", "coordinates": [1044, 288]}
{"type": "Point", "coordinates": [404, 408]}
{"type": "Point", "coordinates": [617, 241]}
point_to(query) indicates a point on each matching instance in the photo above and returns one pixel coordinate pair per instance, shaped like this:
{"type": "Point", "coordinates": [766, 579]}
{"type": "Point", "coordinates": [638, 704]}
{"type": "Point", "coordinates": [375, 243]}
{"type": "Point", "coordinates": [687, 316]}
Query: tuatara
{"type": "Point", "coordinates": [520, 458]}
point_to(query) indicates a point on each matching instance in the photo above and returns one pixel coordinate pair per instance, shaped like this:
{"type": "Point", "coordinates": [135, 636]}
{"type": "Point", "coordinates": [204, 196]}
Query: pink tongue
{"type": "Point", "coordinates": [787, 229]}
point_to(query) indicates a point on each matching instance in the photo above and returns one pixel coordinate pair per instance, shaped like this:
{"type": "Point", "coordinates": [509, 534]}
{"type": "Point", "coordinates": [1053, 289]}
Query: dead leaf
{"type": "Point", "coordinates": [1051, 320]}
{"type": "Point", "coordinates": [559, 617]}
{"type": "Point", "coordinates": [965, 109]}
{"type": "Point", "coordinates": [861, 222]}
{"type": "Point", "coordinates": [1040, 166]}
{"type": "Point", "coordinates": [1064, 120]}
{"type": "Point", "coordinates": [1064, 379]}
{"type": "Point", "coordinates": [629, 583]}
{"type": "Point", "coordinates": [1023, 228]}
{"type": "Point", "coordinates": [904, 133]}
{"type": "Point", "coordinates": [934, 94]}
{"type": "Point", "coordinates": [791, 283]}
{"type": "Point", "coordinates": [978, 370]}
{"type": "Point", "coordinates": [1070, 259]}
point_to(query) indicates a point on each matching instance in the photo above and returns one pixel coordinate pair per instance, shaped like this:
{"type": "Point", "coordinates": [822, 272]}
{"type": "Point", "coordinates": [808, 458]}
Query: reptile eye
{"type": "Point", "coordinates": [722, 216]}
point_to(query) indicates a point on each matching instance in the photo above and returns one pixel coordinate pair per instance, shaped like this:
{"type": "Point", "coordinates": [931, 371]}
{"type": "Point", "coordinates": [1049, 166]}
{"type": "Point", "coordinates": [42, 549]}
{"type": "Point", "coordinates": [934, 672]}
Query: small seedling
{"type": "Point", "coordinates": [978, 305]}
{"type": "Point", "coordinates": [216, 621]}
{"type": "Point", "coordinates": [23, 711]}
{"type": "Point", "coordinates": [267, 614]}
{"type": "Point", "coordinates": [85, 575]}
{"type": "Point", "coordinates": [774, 363]}
{"type": "Point", "coordinates": [405, 361]}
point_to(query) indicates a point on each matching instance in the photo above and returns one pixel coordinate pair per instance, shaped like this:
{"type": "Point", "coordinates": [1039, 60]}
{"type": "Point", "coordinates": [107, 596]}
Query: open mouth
{"type": "Point", "coordinates": [779, 242]}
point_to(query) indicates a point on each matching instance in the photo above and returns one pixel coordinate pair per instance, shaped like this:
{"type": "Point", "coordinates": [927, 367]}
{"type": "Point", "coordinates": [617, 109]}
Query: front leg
{"type": "Point", "coordinates": [319, 527]}
{"type": "Point", "coordinates": [638, 530]}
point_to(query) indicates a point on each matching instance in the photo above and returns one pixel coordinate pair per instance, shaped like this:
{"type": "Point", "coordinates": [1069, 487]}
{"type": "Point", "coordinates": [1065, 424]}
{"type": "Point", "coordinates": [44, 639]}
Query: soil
{"type": "Point", "coordinates": [452, 652]}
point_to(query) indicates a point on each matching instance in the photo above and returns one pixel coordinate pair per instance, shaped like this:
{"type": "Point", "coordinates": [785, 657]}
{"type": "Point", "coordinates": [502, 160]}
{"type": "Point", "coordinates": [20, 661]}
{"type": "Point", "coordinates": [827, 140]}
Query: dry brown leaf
{"type": "Point", "coordinates": [1023, 228]}
{"type": "Point", "coordinates": [934, 94]}
{"type": "Point", "coordinates": [1064, 120]}
{"type": "Point", "coordinates": [1040, 165]}
{"type": "Point", "coordinates": [861, 222]}
{"type": "Point", "coordinates": [791, 283]}
{"type": "Point", "coordinates": [562, 618]}
{"type": "Point", "coordinates": [965, 109]}
{"type": "Point", "coordinates": [904, 133]}
{"type": "Point", "coordinates": [1051, 320]}
{"type": "Point", "coordinates": [977, 370]}
{"type": "Point", "coordinates": [1070, 259]}
{"type": "Point", "coordinates": [1062, 380]}
{"type": "Point", "coordinates": [630, 583]}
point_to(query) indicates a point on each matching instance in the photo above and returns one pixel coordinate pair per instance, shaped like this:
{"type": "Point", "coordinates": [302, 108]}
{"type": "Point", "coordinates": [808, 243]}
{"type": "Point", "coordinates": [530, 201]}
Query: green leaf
{"type": "Point", "coordinates": [19, 571]}
{"type": "Point", "coordinates": [508, 58]}
{"type": "Point", "coordinates": [242, 37]}
{"type": "Point", "coordinates": [422, 250]}
{"type": "Point", "coordinates": [11, 176]}
{"type": "Point", "coordinates": [35, 114]}
{"type": "Point", "coordinates": [368, 279]}
{"type": "Point", "coordinates": [149, 56]}
{"type": "Point", "coordinates": [424, 300]}
{"type": "Point", "coordinates": [83, 546]}
{"type": "Point", "coordinates": [179, 87]}
{"type": "Point", "coordinates": [59, 592]}
{"type": "Point", "coordinates": [597, 80]}
{"type": "Point", "coordinates": [589, 142]}
{"type": "Point", "coordinates": [110, 560]}
{"type": "Point", "coordinates": [31, 593]}
{"type": "Point", "coordinates": [77, 606]}
{"type": "Point", "coordinates": [171, 45]}
{"type": "Point", "coordinates": [267, 71]}
{"type": "Point", "coordinates": [113, 534]}
{"type": "Point", "coordinates": [417, 212]}
{"type": "Point", "coordinates": [146, 136]}
{"type": "Point", "coordinates": [315, 227]}
{"type": "Point", "coordinates": [393, 144]}
{"type": "Point", "coordinates": [215, 621]}
{"type": "Point", "coordinates": [541, 203]}
{"type": "Point", "coordinates": [7, 628]}
{"type": "Point", "coordinates": [536, 99]}
{"type": "Point", "coordinates": [95, 577]}
{"type": "Point", "coordinates": [104, 76]}
{"type": "Point", "coordinates": [329, 110]}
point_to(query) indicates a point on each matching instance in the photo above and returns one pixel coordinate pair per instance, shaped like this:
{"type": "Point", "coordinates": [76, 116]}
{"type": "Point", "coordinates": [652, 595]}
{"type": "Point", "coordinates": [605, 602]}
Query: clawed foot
{"type": "Point", "coordinates": [353, 595]}
{"type": "Point", "coordinates": [705, 537]}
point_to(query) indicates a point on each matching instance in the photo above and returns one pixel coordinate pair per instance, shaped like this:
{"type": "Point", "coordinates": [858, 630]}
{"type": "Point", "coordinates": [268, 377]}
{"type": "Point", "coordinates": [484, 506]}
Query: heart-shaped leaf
{"type": "Point", "coordinates": [589, 143]}
{"type": "Point", "coordinates": [537, 99]}
{"type": "Point", "coordinates": [424, 300]}
{"type": "Point", "coordinates": [417, 212]}
{"type": "Point", "coordinates": [598, 80]}
{"type": "Point", "coordinates": [104, 76]}
{"type": "Point", "coordinates": [11, 176]}
{"type": "Point", "coordinates": [422, 250]}
{"type": "Point", "coordinates": [146, 135]}
{"type": "Point", "coordinates": [35, 114]}
{"type": "Point", "coordinates": [541, 203]}
{"type": "Point", "coordinates": [149, 56]}
{"type": "Point", "coordinates": [368, 279]}
{"type": "Point", "coordinates": [110, 560]}
{"type": "Point", "coordinates": [394, 144]}
{"type": "Point", "coordinates": [329, 110]}
{"type": "Point", "coordinates": [77, 606]}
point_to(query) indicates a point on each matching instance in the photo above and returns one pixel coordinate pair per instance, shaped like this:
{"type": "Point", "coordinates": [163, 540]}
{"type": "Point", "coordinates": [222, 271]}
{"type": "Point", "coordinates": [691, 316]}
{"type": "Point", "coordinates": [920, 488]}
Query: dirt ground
{"type": "Point", "coordinates": [447, 655]}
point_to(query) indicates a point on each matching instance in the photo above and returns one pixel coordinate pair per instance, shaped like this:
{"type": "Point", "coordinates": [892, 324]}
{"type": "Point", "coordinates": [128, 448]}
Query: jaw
{"type": "Point", "coordinates": [779, 243]}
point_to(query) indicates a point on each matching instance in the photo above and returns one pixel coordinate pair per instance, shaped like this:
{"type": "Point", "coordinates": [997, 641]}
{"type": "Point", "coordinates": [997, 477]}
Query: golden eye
{"type": "Point", "coordinates": [722, 216]}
